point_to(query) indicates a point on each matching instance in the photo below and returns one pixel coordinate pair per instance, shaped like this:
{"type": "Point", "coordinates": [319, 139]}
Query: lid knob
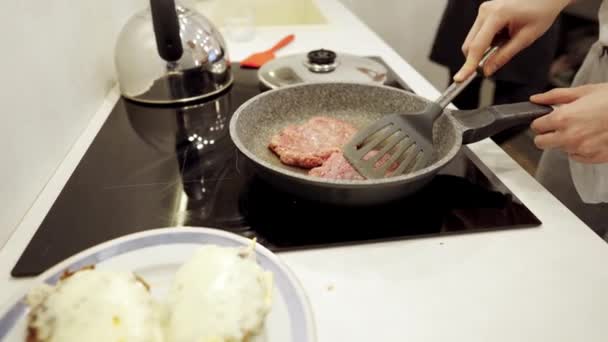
{"type": "Point", "coordinates": [321, 57]}
{"type": "Point", "coordinates": [321, 61]}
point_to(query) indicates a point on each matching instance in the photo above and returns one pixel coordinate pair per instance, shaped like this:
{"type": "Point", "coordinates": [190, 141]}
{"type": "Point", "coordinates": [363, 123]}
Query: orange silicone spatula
{"type": "Point", "coordinates": [258, 59]}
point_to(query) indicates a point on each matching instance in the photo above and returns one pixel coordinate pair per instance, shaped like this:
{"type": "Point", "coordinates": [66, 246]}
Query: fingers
{"type": "Point", "coordinates": [572, 127]}
{"type": "Point", "coordinates": [549, 123]}
{"type": "Point", "coordinates": [478, 45]}
{"type": "Point", "coordinates": [558, 132]}
{"type": "Point", "coordinates": [587, 153]}
{"type": "Point", "coordinates": [518, 42]}
{"type": "Point", "coordinates": [581, 159]}
{"type": "Point", "coordinates": [589, 150]}
{"type": "Point", "coordinates": [596, 159]}
{"type": "Point", "coordinates": [472, 33]}
{"type": "Point", "coordinates": [548, 140]}
{"type": "Point", "coordinates": [561, 95]}
{"type": "Point", "coordinates": [550, 129]}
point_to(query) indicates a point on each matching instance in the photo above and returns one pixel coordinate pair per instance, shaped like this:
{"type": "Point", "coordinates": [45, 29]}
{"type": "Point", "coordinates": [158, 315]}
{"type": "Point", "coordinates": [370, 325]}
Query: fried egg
{"type": "Point", "coordinates": [95, 305]}
{"type": "Point", "coordinates": [220, 295]}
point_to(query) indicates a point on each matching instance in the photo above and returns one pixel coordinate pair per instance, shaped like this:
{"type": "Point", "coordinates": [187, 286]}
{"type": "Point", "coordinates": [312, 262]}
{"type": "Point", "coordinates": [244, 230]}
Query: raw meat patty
{"type": "Point", "coordinates": [310, 144]}
{"type": "Point", "coordinates": [337, 167]}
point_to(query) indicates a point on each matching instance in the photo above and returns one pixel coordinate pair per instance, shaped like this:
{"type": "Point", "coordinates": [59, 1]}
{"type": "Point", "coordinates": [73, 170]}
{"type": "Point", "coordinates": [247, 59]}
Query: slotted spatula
{"type": "Point", "coordinates": [406, 138]}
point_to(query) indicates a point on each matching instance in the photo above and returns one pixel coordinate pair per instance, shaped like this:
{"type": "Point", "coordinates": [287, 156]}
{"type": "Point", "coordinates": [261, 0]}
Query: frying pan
{"type": "Point", "coordinates": [254, 122]}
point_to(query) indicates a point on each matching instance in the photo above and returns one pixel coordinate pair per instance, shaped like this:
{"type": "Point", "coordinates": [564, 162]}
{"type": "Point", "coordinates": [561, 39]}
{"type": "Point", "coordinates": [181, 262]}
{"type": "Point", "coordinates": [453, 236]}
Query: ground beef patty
{"type": "Point", "coordinates": [337, 167]}
{"type": "Point", "coordinates": [311, 144]}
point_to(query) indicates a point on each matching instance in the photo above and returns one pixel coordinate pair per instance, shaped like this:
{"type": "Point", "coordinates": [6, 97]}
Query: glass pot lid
{"type": "Point", "coordinates": [321, 66]}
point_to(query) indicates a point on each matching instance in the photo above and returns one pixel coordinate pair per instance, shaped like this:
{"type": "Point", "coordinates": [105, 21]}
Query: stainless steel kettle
{"type": "Point", "coordinates": [169, 53]}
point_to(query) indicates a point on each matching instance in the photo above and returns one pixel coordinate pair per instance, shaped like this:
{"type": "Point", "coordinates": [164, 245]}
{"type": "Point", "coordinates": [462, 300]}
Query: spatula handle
{"type": "Point", "coordinates": [283, 42]}
{"type": "Point", "coordinates": [457, 87]}
{"type": "Point", "coordinates": [483, 123]}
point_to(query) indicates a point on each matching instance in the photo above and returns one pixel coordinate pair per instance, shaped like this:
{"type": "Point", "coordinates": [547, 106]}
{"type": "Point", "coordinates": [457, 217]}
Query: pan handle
{"type": "Point", "coordinates": [479, 124]}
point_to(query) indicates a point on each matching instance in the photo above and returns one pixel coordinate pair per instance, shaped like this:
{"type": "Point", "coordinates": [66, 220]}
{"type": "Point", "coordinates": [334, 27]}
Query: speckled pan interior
{"type": "Point", "coordinates": [254, 123]}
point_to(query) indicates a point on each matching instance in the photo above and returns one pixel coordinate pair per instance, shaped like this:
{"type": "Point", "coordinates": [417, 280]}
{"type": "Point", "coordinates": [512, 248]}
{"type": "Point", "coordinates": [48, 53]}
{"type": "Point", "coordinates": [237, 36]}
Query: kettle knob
{"type": "Point", "coordinates": [166, 29]}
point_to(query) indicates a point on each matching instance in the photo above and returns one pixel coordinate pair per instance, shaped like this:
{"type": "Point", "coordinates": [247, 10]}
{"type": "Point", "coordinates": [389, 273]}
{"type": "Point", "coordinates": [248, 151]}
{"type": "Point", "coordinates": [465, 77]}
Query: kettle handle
{"type": "Point", "coordinates": [166, 29]}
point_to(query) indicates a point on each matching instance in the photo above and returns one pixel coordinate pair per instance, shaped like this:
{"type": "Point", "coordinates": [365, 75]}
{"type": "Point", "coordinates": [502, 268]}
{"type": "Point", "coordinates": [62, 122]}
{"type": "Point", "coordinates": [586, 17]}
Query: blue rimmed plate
{"type": "Point", "coordinates": [156, 255]}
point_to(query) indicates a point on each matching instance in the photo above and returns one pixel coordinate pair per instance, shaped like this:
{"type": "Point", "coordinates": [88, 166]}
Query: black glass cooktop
{"type": "Point", "coordinates": [159, 167]}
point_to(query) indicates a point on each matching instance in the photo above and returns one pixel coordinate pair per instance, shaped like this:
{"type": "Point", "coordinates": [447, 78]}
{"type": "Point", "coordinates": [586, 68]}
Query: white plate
{"type": "Point", "coordinates": [156, 255]}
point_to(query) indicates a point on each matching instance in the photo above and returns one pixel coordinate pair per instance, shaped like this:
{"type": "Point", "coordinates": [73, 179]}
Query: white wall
{"type": "Point", "coordinates": [57, 66]}
{"type": "Point", "coordinates": [409, 27]}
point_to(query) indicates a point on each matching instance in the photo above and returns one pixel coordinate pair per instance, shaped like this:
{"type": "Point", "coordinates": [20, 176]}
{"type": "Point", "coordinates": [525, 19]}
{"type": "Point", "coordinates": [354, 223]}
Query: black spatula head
{"type": "Point", "coordinates": [393, 145]}
{"type": "Point", "coordinates": [400, 143]}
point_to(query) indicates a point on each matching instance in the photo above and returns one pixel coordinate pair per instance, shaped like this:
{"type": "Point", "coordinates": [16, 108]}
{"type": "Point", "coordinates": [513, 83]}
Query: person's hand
{"type": "Point", "coordinates": [579, 123]}
{"type": "Point", "coordinates": [523, 20]}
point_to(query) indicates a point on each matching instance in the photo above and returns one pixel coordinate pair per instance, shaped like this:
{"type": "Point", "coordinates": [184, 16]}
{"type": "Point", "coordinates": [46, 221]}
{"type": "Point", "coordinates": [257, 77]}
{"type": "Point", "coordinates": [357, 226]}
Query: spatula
{"type": "Point", "coordinates": [258, 59]}
{"type": "Point", "coordinates": [407, 138]}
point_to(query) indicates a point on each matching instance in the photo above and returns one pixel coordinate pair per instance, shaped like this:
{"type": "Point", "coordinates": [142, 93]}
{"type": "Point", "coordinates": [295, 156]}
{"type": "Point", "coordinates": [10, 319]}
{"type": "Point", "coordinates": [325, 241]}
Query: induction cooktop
{"type": "Point", "coordinates": [152, 167]}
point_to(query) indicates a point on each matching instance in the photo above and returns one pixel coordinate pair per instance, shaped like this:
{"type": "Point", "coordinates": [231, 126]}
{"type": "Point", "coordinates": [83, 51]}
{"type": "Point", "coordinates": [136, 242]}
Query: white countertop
{"type": "Point", "coordinates": [538, 284]}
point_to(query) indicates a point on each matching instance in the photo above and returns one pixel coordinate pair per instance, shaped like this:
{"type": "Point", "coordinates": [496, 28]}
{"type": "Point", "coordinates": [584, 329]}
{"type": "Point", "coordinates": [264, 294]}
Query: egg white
{"type": "Point", "coordinates": [220, 295]}
{"type": "Point", "coordinates": [96, 305]}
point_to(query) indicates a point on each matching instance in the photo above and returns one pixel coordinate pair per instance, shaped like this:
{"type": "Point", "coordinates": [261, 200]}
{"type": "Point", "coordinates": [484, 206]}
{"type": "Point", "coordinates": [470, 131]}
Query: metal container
{"type": "Point", "coordinates": [169, 53]}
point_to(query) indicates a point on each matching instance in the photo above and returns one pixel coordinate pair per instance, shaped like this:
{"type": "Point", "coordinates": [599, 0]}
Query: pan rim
{"type": "Point", "coordinates": [438, 165]}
